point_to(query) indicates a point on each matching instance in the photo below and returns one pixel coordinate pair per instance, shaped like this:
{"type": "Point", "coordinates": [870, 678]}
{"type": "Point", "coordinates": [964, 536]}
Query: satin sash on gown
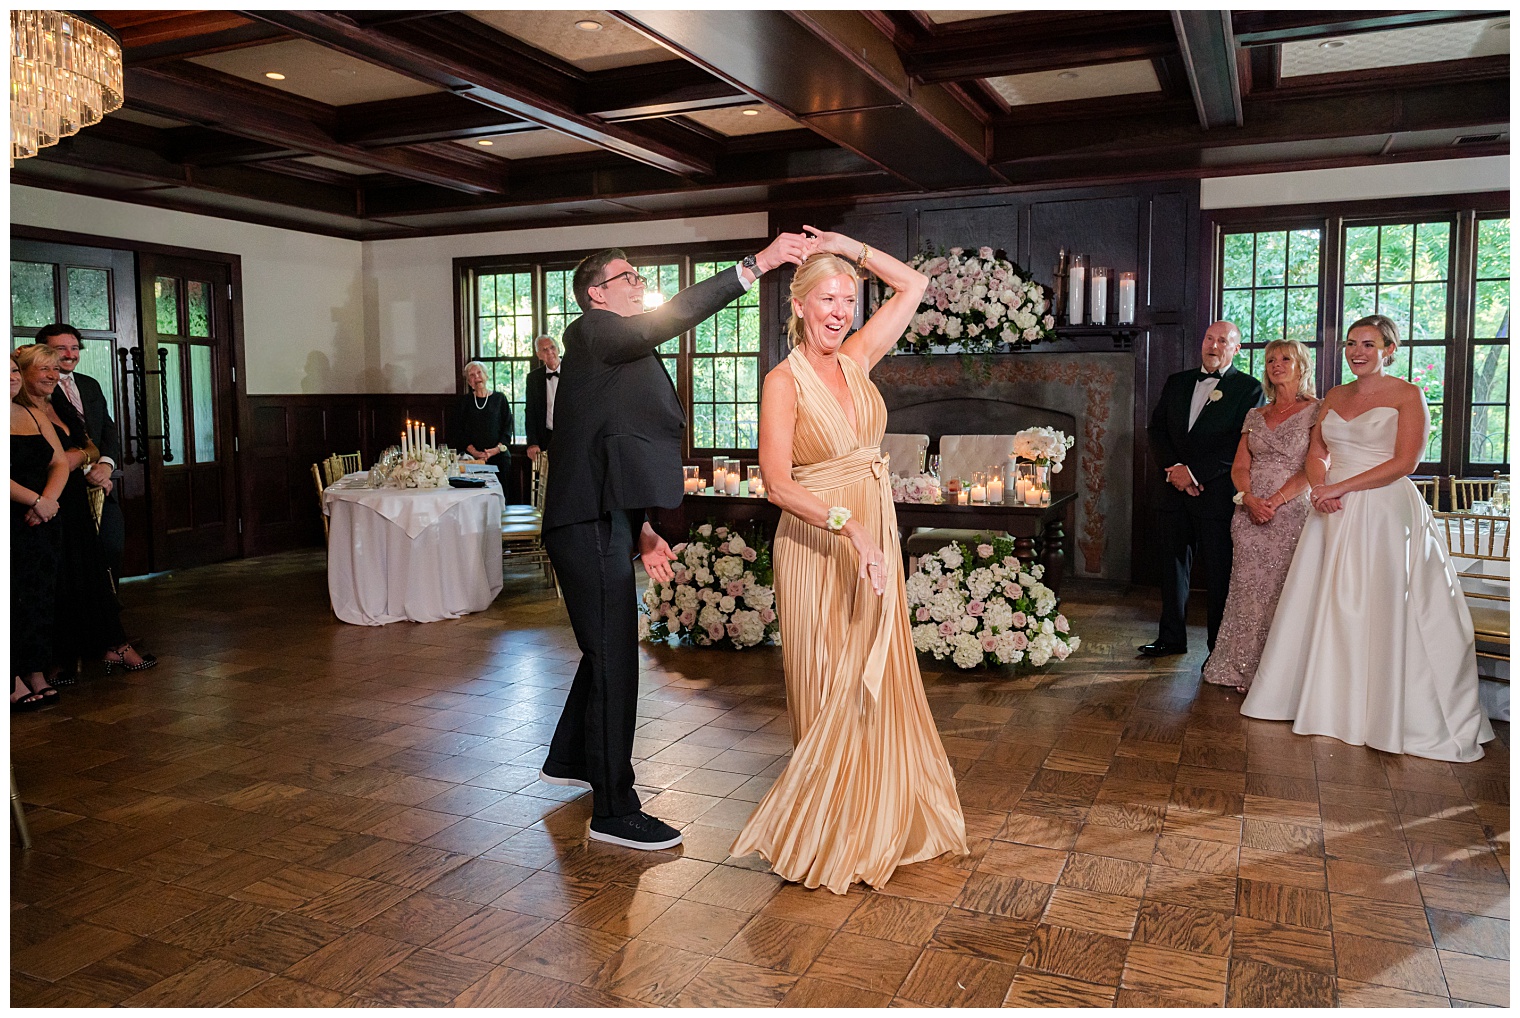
{"type": "Point", "coordinates": [1372, 642]}
{"type": "Point", "coordinates": [868, 787]}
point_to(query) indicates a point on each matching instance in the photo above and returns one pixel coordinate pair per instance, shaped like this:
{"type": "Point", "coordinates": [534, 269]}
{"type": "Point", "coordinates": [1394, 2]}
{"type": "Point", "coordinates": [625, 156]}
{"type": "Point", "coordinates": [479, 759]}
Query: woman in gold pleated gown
{"type": "Point", "coordinates": [868, 787]}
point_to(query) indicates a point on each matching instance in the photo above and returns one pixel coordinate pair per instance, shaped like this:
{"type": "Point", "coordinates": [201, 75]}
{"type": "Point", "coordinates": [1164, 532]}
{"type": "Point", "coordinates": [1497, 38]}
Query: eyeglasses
{"type": "Point", "coordinates": [634, 279]}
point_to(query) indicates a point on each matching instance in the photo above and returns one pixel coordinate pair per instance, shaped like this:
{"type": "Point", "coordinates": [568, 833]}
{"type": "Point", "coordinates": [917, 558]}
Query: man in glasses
{"type": "Point", "coordinates": [615, 452]}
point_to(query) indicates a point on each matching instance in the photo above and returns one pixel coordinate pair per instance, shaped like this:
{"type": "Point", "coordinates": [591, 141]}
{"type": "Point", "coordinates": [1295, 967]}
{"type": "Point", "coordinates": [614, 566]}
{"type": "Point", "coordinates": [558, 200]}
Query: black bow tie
{"type": "Point", "coordinates": [551, 374]}
{"type": "Point", "coordinates": [1210, 374]}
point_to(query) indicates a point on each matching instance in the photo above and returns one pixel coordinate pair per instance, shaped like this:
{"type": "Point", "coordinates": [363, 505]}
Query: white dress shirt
{"type": "Point", "coordinates": [551, 386]}
{"type": "Point", "coordinates": [1201, 390]}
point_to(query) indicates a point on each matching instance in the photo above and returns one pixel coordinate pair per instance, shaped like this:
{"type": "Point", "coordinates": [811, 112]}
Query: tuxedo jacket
{"type": "Point", "coordinates": [97, 415]}
{"type": "Point", "coordinates": [619, 430]}
{"type": "Point", "coordinates": [536, 410]}
{"type": "Point", "coordinates": [1208, 448]}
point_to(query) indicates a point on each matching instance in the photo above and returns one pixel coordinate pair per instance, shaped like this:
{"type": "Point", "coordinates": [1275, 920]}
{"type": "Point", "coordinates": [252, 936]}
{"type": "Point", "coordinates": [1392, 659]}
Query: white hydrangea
{"type": "Point", "coordinates": [998, 616]}
{"type": "Point", "coordinates": [968, 651]}
{"type": "Point", "coordinates": [951, 556]}
{"type": "Point", "coordinates": [728, 568]}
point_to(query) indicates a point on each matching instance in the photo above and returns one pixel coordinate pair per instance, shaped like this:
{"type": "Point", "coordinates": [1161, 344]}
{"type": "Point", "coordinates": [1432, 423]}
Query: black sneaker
{"type": "Point", "coordinates": [635, 830]}
{"type": "Point", "coordinates": [554, 779]}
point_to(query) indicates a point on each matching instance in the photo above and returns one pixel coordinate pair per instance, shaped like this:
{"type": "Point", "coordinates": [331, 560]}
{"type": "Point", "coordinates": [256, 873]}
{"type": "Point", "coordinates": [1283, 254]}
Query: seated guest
{"type": "Point", "coordinates": [39, 471]}
{"type": "Point", "coordinates": [542, 387]}
{"type": "Point", "coordinates": [1270, 510]}
{"type": "Point", "coordinates": [1372, 642]}
{"type": "Point", "coordinates": [88, 619]}
{"type": "Point", "coordinates": [485, 420]}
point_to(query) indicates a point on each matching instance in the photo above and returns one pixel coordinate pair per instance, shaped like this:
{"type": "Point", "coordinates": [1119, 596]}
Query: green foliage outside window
{"type": "Point", "coordinates": [1270, 290]}
{"type": "Point", "coordinates": [1488, 436]}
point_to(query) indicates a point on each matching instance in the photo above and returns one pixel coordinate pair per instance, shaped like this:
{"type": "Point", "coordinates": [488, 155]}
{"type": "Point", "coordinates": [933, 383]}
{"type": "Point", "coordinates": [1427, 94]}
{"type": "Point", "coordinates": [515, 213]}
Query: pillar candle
{"type": "Point", "coordinates": [1021, 490]}
{"type": "Point", "coordinates": [733, 482]}
{"type": "Point", "coordinates": [433, 439]}
{"type": "Point", "coordinates": [1098, 311]}
{"type": "Point", "coordinates": [1076, 290]}
{"type": "Point", "coordinates": [995, 490]}
{"type": "Point", "coordinates": [978, 494]}
{"type": "Point", "coordinates": [962, 497]}
{"type": "Point", "coordinates": [1126, 298]}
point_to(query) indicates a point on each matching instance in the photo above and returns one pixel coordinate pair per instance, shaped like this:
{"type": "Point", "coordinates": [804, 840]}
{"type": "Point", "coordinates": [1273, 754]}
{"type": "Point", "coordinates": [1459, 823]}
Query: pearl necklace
{"type": "Point", "coordinates": [482, 404]}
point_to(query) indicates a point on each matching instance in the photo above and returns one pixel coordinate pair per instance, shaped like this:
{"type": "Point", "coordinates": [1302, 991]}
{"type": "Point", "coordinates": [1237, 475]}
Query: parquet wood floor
{"type": "Point", "coordinates": [290, 811]}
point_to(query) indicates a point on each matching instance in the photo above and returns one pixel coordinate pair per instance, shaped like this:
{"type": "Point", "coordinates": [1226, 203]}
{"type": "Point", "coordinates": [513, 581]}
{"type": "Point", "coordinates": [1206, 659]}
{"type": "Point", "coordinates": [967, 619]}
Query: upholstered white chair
{"type": "Point", "coordinates": [906, 452]}
{"type": "Point", "coordinates": [964, 455]}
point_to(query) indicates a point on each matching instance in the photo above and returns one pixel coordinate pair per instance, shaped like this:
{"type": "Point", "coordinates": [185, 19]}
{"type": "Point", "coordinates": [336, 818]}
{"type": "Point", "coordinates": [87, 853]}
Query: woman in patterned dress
{"type": "Point", "coordinates": [1269, 475]}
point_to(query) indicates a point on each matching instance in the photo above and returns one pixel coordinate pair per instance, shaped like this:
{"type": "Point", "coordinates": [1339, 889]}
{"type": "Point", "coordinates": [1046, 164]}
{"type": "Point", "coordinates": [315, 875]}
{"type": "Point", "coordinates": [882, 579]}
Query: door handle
{"type": "Point", "coordinates": [136, 373]}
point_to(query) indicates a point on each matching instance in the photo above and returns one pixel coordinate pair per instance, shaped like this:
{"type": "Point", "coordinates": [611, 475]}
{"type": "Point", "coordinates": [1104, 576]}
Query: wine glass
{"type": "Point", "coordinates": [934, 466]}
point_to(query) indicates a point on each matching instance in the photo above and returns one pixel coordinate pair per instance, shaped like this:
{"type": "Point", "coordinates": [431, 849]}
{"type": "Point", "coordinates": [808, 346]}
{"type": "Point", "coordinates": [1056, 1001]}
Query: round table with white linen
{"type": "Point", "coordinates": [411, 554]}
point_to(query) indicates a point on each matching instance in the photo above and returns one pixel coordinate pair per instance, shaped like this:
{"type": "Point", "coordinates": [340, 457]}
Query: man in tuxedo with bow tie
{"type": "Point", "coordinates": [80, 395]}
{"type": "Point", "coordinates": [541, 390]}
{"type": "Point", "coordinates": [1194, 432]}
{"type": "Point", "coordinates": [618, 443]}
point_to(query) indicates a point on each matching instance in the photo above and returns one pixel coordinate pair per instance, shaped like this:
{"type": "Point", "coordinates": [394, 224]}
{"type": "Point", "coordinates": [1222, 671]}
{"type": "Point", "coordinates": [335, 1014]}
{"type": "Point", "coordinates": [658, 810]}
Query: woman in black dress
{"type": "Point", "coordinates": [89, 619]}
{"type": "Point", "coordinates": [39, 471]}
{"type": "Point", "coordinates": [485, 420]}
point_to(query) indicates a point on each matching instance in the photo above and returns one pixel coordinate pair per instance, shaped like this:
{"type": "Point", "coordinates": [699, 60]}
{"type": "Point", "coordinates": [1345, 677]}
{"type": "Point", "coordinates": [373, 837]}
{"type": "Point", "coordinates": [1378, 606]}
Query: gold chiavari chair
{"type": "Point", "coordinates": [1467, 490]}
{"type": "Point", "coordinates": [522, 534]}
{"type": "Point", "coordinates": [316, 476]}
{"type": "Point", "coordinates": [1430, 490]}
{"type": "Point", "coordinates": [1479, 547]}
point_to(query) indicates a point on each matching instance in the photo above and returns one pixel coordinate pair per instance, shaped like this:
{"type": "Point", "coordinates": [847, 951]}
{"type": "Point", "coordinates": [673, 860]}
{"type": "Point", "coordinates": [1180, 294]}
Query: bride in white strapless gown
{"type": "Point", "coordinates": [1372, 643]}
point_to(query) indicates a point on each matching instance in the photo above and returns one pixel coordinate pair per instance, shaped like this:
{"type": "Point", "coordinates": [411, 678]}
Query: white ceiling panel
{"type": "Point", "coordinates": [1092, 82]}
{"type": "Point", "coordinates": [1397, 47]}
{"type": "Point", "coordinates": [737, 120]}
{"type": "Point", "coordinates": [315, 72]}
{"type": "Point", "coordinates": [530, 145]}
{"type": "Point", "coordinates": [612, 44]}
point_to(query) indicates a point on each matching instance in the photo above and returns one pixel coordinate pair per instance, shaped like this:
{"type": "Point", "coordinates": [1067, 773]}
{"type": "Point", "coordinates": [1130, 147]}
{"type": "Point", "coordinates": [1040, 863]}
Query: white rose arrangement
{"type": "Point", "coordinates": [720, 596]}
{"type": "Point", "coordinates": [979, 301]}
{"type": "Point", "coordinates": [421, 468]}
{"type": "Point", "coordinates": [980, 605]}
{"type": "Point", "coordinates": [1044, 446]}
{"type": "Point", "coordinates": [922, 488]}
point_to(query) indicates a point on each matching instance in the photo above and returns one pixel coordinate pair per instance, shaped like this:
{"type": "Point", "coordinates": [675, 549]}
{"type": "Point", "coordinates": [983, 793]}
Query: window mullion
{"type": "Point", "coordinates": [1461, 347]}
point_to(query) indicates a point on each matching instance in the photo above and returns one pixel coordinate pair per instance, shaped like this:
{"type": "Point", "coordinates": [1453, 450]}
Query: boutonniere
{"type": "Point", "coordinates": [1215, 396]}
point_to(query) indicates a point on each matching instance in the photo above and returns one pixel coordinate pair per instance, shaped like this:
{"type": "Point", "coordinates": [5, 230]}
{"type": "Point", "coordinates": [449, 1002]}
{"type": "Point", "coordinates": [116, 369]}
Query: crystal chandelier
{"type": "Point", "coordinates": [65, 74]}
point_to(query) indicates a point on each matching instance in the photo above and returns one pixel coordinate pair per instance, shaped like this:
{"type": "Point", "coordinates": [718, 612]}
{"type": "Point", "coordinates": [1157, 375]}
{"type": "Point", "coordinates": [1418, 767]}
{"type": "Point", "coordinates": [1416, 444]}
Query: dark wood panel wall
{"type": "Point", "coordinates": [286, 434]}
{"type": "Point", "coordinates": [1150, 228]}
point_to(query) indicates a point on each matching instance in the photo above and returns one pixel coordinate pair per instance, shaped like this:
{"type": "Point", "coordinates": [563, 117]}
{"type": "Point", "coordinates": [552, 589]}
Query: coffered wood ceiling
{"type": "Point", "coordinates": [380, 123]}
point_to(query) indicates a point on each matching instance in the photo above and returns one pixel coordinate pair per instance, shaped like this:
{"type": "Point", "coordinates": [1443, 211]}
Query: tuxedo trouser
{"type": "Point", "coordinates": [594, 738]}
{"type": "Point", "coordinates": [1183, 536]}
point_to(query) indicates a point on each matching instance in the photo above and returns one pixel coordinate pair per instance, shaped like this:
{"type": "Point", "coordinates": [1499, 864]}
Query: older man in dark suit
{"type": "Point", "coordinates": [1194, 432]}
{"type": "Point", "coordinates": [618, 454]}
{"type": "Point", "coordinates": [541, 391]}
{"type": "Point", "coordinates": [82, 396]}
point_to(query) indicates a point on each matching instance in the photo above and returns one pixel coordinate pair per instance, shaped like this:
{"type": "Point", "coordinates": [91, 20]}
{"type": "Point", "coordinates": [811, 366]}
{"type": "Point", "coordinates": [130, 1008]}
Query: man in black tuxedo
{"type": "Point", "coordinates": [617, 454]}
{"type": "Point", "coordinates": [82, 396]}
{"type": "Point", "coordinates": [1194, 432]}
{"type": "Point", "coordinates": [542, 388]}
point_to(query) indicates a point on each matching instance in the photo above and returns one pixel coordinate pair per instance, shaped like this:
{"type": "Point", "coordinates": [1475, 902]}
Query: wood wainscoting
{"type": "Point", "coordinates": [285, 434]}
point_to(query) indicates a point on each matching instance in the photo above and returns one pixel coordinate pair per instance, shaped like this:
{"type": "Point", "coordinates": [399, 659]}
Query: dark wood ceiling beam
{"type": "Point", "coordinates": [1208, 54]}
{"type": "Point", "coordinates": [239, 37]}
{"type": "Point", "coordinates": [456, 52]}
{"type": "Point", "coordinates": [1271, 118]}
{"type": "Point", "coordinates": [193, 96]}
{"type": "Point", "coordinates": [201, 146]}
{"type": "Point", "coordinates": [1270, 28]}
{"type": "Point", "coordinates": [810, 66]}
{"type": "Point", "coordinates": [437, 116]}
{"type": "Point", "coordinates": [668, 88]}
{"type": "Point", "coordinates": [101, 153]}
{"type": "Point", "coordinates": [993, 54]}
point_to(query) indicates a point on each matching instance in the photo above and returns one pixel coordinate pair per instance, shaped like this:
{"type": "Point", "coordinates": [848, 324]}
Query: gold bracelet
{"type": "Point", "coordinates": [865, 252]}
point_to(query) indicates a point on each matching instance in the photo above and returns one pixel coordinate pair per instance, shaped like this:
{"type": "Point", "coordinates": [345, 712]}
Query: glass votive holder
{"type": "Point", "coordinates": [756, 482]}
{"type": "Point", "coordinates": [690, 479]}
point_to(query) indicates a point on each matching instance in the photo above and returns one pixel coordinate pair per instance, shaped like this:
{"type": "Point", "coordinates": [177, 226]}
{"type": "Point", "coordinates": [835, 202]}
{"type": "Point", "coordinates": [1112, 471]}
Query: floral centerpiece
{"type": "Point", "coordinates": [418, 467]}
{"type": "Point", "coordinates": [978, 301]}
{"type": "Point", "coordinates": [922, 488]}
{"type": "Point", "coordinates": [979, 604]}
{"type": "Point", "coordinates": [720, 596]}
{"type": "Point", "coordinates": [1043, 446]}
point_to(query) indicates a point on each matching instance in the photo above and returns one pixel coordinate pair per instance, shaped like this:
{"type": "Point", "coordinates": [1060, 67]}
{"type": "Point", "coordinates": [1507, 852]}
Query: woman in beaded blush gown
{"type": "Point", "coordinates": [1372, 642]}
{"type": "Point", "coordinates": [868, 787]}
{"type": "Point", "coordinates": [1269, 475]}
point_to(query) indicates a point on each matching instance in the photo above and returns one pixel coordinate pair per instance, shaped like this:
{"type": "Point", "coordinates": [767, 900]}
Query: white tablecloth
{"type": "Point", "coordinates": [419, 555]}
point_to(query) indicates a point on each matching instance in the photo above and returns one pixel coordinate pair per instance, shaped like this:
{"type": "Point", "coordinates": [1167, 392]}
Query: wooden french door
{"type": "Point", "coordinates": [93, 289]}
{"type": "Point", "coordinates": [188, 433]}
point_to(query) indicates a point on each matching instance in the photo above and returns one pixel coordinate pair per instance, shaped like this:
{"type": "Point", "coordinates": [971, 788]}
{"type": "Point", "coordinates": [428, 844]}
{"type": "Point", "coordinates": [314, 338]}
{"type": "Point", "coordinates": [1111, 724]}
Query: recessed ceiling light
{"type": "Point", "coordinates": [485, 141]}
{"type": "Point", "coordinates": [1332, 44]}
{"type": "Point", "coordinates": [751, 113]}
{"type": "Point", "coordinates": [274, 75]}
{"type": "Point", "coordinates": [589, 26]}
{"type": "Point", "coordinates": [1068, 75]}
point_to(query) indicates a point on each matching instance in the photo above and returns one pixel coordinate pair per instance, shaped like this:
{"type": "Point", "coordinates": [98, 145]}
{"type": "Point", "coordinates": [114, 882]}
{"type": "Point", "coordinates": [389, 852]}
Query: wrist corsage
{"type": "Point", "coordinates": [838, 517]}
{"type": "Point", "coordinates": [1240, 498]}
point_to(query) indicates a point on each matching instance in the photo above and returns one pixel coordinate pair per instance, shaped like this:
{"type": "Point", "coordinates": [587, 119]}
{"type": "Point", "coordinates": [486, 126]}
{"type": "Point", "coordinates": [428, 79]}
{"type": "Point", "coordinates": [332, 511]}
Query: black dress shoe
{"type": "Point", "coordinates": [635, 830]}
{"type": "Point", "coordinates": [1159, 649]}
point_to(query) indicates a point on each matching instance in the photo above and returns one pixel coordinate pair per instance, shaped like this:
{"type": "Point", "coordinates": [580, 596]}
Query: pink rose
{"type": "Point", "coordinates": [1013, 591]}
{"type": "Point", "coordinates": [749, 554]}
{"type": "Point", "coordinates": [1019, 619]}
{"type": "Point", "coordinates": [1020, 641]}
{"type": "Point", "coordinates": [715, 632]}
{"type": "Point", "coordinates": [975, 608]}
{"type": "Point", "coordinates": [721, 532]}
{"type": "Point", "coordinates": [679, 548]}
{"type": "Point", "coordinates": [1062, 651]}
{"type": "Point", "coordinates": [922, 614]}
{"type": "Point", "coordinates": [947, 629]}
{"type": "Point", "coordinates": [734, 588]}
{"type": "Point", "coordinates": [733, 630]}
{"type": "Point", "coordinates": [984, 551]}
{"type": "Point", "coordinates": [767, 615]}
{"type": "Point", "coordinates": [989, 642]}
{"type": "Point", "coordinates": [1062, 626]}
{"type": "Point", "coordinates": [688, 617]}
